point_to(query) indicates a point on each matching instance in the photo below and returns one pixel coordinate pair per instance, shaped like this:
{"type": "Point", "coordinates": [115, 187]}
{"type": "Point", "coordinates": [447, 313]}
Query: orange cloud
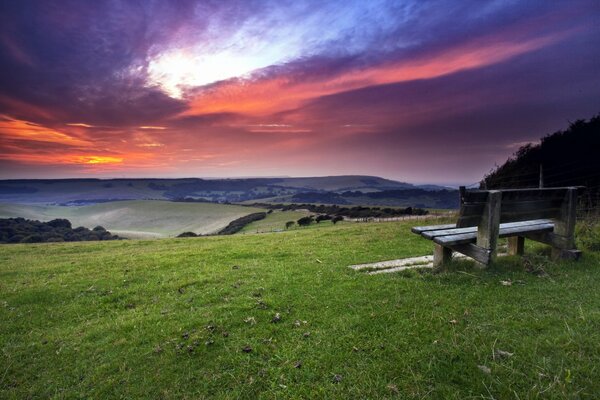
{"type": "Point", "coordinates": [17, 129]}
{"type": "Point", "coordinates": [266, 96]}
{"type": "Point", "coordinates": [80, 124]}
{"type": "Point", "coordinates": [97, 160]}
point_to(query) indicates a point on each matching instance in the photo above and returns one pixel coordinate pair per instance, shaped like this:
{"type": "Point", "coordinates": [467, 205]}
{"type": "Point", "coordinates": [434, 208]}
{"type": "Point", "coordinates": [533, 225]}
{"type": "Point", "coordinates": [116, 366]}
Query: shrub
{"type": "Point", "coordinates": [20, 230]}
{"type": "Point", "coordinates": [187, 234]}
{"type": "Point", "coordinates": [60, 223]}
{"type": "Point", "coordinates": [337, 219]}
{"type": "Point", "coordinates": [325, 217]}
{"type": "Point", "coordinates": [289, 224]}
{"type": "Point", "coordinates": [305, 221]}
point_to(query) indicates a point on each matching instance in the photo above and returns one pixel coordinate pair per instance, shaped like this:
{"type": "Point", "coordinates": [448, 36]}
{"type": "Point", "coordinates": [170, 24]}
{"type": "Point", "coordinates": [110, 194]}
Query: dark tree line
{"type": "Point", "coordinates": [238, 224]}
{"type": "Point", "coordinates": [349, 212]}
{"type": "Point", "coordinates": [21, 230]}
{"type": "Point", "coordinates": [568, 158]}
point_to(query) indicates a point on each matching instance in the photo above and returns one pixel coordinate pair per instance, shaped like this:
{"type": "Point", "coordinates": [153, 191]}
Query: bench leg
{"type": "Point", "coordinates": [441, 255]}
{"type": "Point", "coordinates": [516, 245]}
{"type": "Point", "coordinates": [562, 254]}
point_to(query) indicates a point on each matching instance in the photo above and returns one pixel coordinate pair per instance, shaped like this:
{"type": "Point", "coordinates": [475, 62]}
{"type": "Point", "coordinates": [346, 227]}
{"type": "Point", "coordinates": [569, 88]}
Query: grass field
{"type": "Point", "coordinates": [274, 221]}
{"type": "Point", "coordinates": [192, 319]}
{"type": "Point", "coordinates": [138, 218]}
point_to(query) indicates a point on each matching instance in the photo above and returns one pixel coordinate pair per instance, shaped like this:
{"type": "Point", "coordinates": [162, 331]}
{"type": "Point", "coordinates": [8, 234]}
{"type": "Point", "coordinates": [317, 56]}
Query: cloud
{"type": "Point", "coordinates": [15, 130]}
{"type": "Point", "coordinates": [288, 87]}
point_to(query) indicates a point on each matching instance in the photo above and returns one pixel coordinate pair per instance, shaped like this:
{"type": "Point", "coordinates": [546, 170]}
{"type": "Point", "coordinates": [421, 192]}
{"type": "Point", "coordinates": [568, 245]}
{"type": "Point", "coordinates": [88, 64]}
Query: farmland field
{"type": "Point", "coordinates": [281, 316]}
{"type": "Point", "coordinates": [138, 218]}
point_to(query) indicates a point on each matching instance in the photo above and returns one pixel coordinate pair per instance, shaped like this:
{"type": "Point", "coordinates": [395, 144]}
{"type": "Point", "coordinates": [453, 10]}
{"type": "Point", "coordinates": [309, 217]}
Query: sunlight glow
{"type": "Point", "coordinates": [177, 70]}
{"type": "Point", "coordinates": [98, 160]}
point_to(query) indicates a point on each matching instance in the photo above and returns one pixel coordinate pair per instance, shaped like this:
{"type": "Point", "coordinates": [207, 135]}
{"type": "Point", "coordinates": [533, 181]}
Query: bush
{"type": "Point", "coordinates": [20, 230]}
{"type": "Point", "coordinates": [60, 223]}
{"type": "Point", "coordinates": [187, 234]}
{"type": "Point", "coordinates": [323, 218]}
{"type": "Point", "coordinates": [289, 224]}
{"type": "Point", "coordinates": [337, 219]}
{"type": "Point", "coordinates": [305, 221]}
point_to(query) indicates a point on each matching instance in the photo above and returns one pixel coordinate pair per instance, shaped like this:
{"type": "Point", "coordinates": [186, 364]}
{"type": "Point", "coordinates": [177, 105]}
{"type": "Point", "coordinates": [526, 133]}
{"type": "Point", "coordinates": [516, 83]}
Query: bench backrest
{"type": "Point", "coordinates": [487, 209]}
{"type": "Point", "coordinates": [517, 204]}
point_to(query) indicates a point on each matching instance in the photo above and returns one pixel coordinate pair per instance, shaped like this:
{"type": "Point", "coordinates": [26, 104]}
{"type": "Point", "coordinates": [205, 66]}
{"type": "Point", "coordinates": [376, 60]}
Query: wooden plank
{"type": "Point", "coordinates": [445, 232]}
{"type": "Point", "coordinates": [420, 229]}
{"type": "Point", "coordinates": [477, 253]}
{"type": "Point", "coordinates": [489, 226]}
{"type": "Point", "coordinates": [441, 255]}
{"type": "Point", "coordinates": [475, 196]}
{"type": "Point", "coordinates": [531, 205]}
{"type": "Point", "coordinates": [470, 209]}
{"type": "Point", "coordinates": [470, 213]}
{"type": "Point", "coordinates": [524, 216]}
{"type": "Point", "coordinates": [507, 232]}
{"type": "Point", "coordinates": [469, 237]}
{"type": "Point", "coordinates": [565, 224]}
{"type": "Point", "coordinates": [454, 231]}
{"type": "Point", "coordinates": [456, 239]}
{"type": "Point", "coordinates": [513, 195]}
{"type": "Point", "coordinates": [464, 222]}
{"type": "Point", "coordinates": [516, 245]}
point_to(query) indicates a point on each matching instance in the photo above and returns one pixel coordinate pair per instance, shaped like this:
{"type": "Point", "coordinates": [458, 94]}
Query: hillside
{"type": "Point", "coordinates": [137, 219]}
{"type": "Point", "coordinates": [568, 158]}
{"type": "Point", "coordinates": [196, 318]}
{"type": "Point", "coordinates": [89, 191]}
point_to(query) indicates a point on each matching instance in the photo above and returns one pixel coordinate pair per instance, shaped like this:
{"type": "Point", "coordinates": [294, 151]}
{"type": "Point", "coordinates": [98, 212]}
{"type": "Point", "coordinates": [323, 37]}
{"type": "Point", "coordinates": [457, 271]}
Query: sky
{"type": "Point", "coordinates": [419, 91]}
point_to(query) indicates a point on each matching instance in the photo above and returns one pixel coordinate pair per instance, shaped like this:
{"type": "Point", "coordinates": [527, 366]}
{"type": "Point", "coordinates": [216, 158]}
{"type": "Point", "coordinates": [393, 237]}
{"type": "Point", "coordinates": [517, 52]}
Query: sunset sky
{"type": "Point", "coordinates": [418, 91]}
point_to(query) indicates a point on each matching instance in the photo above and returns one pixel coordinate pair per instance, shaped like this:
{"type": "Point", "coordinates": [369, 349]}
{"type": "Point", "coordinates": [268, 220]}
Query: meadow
{"type": "Point", "coordinates": [137, 218]}
{"type": "Point", "coordinates": [279, 315]}
{"type": "Point", "coordinates": [275, 221]}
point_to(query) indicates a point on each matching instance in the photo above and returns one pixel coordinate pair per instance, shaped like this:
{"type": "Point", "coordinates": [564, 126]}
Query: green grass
{"type": "Point", "coordinates": [138, 218]}
{"type": "Point", "coordinates": [115, 319]}
{"type": "Point", "coordinates": [274, 221]}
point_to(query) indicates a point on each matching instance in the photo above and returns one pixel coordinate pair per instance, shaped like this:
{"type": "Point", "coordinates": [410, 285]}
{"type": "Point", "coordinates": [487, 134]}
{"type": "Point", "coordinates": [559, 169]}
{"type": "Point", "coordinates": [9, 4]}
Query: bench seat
{"type": "Point", "coordinates": [421, 229]}
{"type": "Point", "coordinates": [448, 237]}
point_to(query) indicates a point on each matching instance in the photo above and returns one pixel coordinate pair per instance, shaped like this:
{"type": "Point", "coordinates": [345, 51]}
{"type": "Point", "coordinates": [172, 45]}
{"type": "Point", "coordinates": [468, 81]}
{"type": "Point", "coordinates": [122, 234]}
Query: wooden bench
{"type": "Point", "coordinates": [544, 215]}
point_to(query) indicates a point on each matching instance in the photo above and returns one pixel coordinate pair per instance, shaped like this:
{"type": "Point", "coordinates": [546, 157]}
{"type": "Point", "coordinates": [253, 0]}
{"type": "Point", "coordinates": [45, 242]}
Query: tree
{"type": "Point", "coordinates": [289, 224]}
{"type": "Point", "coordinates": [305, 221]}
{"type": "Point", "coordinates": [337, 219]}
{"type": "Point", "coordinates": [325, 217]}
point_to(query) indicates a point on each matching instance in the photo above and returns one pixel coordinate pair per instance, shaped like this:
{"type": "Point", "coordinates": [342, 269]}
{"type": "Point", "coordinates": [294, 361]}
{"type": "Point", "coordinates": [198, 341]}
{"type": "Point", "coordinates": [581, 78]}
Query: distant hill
{"type": "Point", "coordinates": [79, 192]}
{"type": "Point", "coordinates": [568, 158]}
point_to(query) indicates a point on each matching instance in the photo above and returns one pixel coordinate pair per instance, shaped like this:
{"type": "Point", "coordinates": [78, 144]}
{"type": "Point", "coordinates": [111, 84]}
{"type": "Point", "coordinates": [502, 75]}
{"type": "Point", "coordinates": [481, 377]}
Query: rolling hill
{"type": "Point", "coordinates": [88, 191]}
{"type": "Point", "coordinates": [137, 218]}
